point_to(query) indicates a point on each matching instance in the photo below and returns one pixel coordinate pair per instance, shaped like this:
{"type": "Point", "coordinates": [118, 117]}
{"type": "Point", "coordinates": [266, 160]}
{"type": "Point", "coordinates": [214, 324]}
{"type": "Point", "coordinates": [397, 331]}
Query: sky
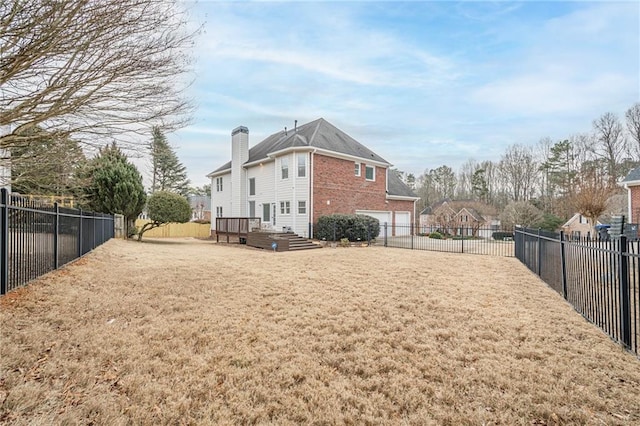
{"type": "Point", "coordinates": [422, 84]}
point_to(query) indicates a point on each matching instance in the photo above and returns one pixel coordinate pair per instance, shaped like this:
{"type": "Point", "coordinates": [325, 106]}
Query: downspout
{"type": "Point", "coordinates": [311, 205]}
{"type": "Point", "coordinates": [414, 226]}
{"type": "Point", "coordinates": [629, 203]}
{"type": "Point", "coordinates": [294, 198]}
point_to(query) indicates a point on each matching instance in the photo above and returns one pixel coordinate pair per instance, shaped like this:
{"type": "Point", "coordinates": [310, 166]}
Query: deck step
{"type": "Point", "coordinates": [285, 241]}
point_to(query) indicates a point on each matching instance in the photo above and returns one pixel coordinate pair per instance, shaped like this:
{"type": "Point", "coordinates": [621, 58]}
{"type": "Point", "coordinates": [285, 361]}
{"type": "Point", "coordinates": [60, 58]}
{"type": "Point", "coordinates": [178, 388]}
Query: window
{"type": "Point", "coordinates": [285, 207]}
{"type": "Point", "coordinates": [252, 209]}
{"type": "Point", "coordinates": [370, 173]}
{"type": "Point", "coordinates": [266, 212]}
{"type": "Point", "coordinates": [302, 165]}
{"type": "Point", "coordinates": [219, 211]}
{"type": "Point", "coordinates": [252, 186]}
{"type": "Point", "coordinates": [284, 164]}
{"type": "Point", "coordinates": [219, 184]}
{"type": "Point", "coordinates": [302, 207]}
{"type": "Point", "coordinates": [357, 169]}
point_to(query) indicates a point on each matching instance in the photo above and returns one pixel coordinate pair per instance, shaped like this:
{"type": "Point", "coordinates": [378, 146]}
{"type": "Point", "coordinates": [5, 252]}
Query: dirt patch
{"type": "Point", "coordinates": [189, 332]}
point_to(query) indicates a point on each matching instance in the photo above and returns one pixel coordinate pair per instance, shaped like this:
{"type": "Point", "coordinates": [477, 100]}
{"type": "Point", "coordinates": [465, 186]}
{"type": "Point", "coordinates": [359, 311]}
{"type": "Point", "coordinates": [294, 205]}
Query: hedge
{"type": "Point", "coordinates": [354, 227]}
{"type": "Point", "coordinates": [501, 235]}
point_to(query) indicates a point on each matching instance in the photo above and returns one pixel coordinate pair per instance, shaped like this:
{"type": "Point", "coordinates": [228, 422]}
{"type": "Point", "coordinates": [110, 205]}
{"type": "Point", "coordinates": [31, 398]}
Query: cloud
{"type": "Point", "coordinates": [422, 84]}
{"type": "Point", "coordinates": [330, 42]}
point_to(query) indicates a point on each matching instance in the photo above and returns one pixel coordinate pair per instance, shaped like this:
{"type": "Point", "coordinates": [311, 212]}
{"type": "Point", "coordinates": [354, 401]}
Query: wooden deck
{"type": "Point", "coordinates": [235, 227]}
{"type": "Point", "coordinates": [284, 241]}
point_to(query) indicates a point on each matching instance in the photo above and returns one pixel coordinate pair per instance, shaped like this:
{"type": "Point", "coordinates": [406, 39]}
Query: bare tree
{"type": "Point", "coordinates": [592, 194]}
{"type": "Point", "coordinates": [520, 172]}
{"type": "Point", "coordinates": [520, 213]}
{"type": "Point", "coordinates": [610, 144]}
{"type": "Point", "coordinates": [633, 126]}
{"type": "Point", "coordinates": [100, 69]}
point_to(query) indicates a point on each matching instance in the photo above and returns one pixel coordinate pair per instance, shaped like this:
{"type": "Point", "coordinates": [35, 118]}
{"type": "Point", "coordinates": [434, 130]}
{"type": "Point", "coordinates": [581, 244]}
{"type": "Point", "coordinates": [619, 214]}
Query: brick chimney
{"type": "Point", "coordinates": [239, 156]}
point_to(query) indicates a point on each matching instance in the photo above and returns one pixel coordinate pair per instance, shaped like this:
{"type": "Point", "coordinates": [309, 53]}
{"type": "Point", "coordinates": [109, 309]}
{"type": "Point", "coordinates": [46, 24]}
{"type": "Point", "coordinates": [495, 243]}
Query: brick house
{"type": "Point", "coordinates": [578, 226]}
{"type": "Point", "coordinates": [632, 184]}
{"type": "Point", "coordinates": [293, 177]}
{"type": "Point", "coordinates": [460, 217]}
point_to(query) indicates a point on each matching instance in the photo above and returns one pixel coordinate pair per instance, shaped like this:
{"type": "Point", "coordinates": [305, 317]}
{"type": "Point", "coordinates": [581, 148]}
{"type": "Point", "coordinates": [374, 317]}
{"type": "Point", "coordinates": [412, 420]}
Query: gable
{"type": "Point", "coordinates": [319, 135]}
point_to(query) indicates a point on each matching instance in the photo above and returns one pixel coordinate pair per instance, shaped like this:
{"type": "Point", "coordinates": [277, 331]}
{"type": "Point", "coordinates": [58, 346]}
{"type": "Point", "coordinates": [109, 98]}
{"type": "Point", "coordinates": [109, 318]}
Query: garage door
{"type": "Point", "coordinates": [403, 223]}
{"type": "Point", "coordinates": [382, 216]}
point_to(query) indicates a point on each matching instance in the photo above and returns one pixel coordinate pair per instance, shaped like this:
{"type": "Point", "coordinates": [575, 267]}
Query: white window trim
{"type": "Point", "coordinates": [284, 165]}
{"type": "Point", "coordinates": [305, 207]}
{"type": "Point", "coordinates": [285, 208]}
{"type": "Point", "coordinates": [254, 186]}
{"type": "Point", "coordinates": [219, 186]}
{"type": "Point", "coordinates": [374, 172]}
{"type": "Point", "coordinates": [359, 166]}
{"type": "Point", "coordinates": [304, 165]}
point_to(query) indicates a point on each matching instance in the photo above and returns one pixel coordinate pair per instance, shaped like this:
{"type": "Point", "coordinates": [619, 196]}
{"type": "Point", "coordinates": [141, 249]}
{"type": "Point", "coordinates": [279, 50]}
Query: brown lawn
{"type": "Point", "coordinates": [191, 332]}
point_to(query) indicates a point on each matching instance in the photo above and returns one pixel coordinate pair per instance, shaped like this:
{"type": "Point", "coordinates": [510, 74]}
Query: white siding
{"type": "Point", "coordinates": [265, 191]}
{"type": "Point", "coordinates": [221, 199]}
{"type": "Point", "coordinates": [293, 189]}
{"type": "Point", "coordinates": [239, 155]}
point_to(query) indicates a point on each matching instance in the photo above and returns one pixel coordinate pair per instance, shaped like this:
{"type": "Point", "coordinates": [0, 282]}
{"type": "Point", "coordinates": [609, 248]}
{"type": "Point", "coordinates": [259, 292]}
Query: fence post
{"type": "Point", "coordinates": [56, 231]}
{"type": "Point", "coordinates": [4, 241]}
{"type": "Point", "coordinates": [79, 232]}
{"type": "Point", "coordinates": [625, 311]}
{"type": "Point", "coordinates": [462, 237]}
{"type": "Point", "coordinates": [334, 231]}
{"type": "Point", "coordinates": [539, 252]}
{"type": "Point", "coordinates": [563, 261]}
{"type": "Point", "coordinates": [385, 234]}
{"type": "Point", "coordinates": [413, 232]}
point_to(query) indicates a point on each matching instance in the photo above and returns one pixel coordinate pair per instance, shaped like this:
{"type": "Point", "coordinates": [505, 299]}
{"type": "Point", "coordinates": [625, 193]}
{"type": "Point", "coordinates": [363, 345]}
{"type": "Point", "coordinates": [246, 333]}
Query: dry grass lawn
{"type": "Point", "coordinates": [193, 332]}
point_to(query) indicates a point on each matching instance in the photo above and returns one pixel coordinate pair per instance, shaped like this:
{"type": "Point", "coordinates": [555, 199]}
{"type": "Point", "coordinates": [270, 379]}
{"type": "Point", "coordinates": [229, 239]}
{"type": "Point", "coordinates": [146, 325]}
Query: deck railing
{"type": "Point", "coordinates": [236, 226]}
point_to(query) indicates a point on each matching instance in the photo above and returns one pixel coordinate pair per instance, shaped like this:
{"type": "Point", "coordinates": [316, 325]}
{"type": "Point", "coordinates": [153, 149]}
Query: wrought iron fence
{"type": "Point", "coordinates": [36, 237]}
{"type": "Point", "coordinates": [600, 278]}
{"type": "Point", "coordinates": [488, 241]}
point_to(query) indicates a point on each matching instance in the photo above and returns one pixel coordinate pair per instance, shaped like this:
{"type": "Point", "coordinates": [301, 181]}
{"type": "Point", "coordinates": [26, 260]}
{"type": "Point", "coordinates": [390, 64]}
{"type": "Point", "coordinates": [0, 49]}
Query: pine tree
{"type": "Point", "coordinates": [115, 185]}
{"type": "Point", "coordinates": [167, 172]}
{"type": "Point", "coordinates": [46, 164]}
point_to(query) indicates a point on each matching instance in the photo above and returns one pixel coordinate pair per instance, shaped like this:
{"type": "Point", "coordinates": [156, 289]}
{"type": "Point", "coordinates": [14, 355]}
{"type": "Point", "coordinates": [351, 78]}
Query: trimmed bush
{"type": "Point", "coordinates": [501, 235]}
{"type": "Point", "coordinates": [354, 227]}
{"type": "Point", "coordinates": [435, 235]}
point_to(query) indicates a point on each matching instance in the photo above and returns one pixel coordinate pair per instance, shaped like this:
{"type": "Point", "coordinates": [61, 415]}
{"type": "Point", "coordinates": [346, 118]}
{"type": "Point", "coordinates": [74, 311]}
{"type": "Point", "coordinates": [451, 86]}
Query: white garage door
{"type": "Point", "coordinates": [403, 223]}
{"type": "Point", "coordinates": [382, 216]}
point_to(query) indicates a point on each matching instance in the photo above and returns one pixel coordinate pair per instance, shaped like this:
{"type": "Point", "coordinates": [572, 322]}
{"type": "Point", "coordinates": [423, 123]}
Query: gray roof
{"type": "Point", "coordinates": [323, 135]}
{"type": "Point", "coordinates": [316, 134]}
{"type": "Point", "coordinates": [633, 175]}
{"type": "Point", "coordinates": [397, 187]}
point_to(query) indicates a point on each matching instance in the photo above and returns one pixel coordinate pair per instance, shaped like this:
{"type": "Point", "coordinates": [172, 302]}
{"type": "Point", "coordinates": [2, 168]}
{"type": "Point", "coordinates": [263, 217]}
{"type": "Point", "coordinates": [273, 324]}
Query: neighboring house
{"type": "Point", "coordinates": [578, 227]}
{"type": "Point", "coordinates": [467, 222]}
{"type": "Point", "coordinates": [460, 217]}
{"type": "Point", "coordinates": [293, 177]}
{"type": "Point", "coordinates": [632, 184]}
{"type": "Point", "coordinates": [200, 207]}
{"type": "Point", "coordinates": [438, 217]}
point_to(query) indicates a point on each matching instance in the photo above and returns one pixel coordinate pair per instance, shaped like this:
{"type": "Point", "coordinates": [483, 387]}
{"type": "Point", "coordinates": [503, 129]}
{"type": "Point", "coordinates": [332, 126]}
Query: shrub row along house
{"type": "Point", "coordinates": [293, 177]}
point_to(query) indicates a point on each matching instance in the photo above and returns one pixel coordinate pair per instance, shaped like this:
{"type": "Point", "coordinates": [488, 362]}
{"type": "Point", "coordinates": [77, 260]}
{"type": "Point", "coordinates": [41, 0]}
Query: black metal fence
{"type": "Point", "coordinates": [600, 278]}
{"type": "Point", "coordinates": [488, 241]}
{"type": "Point", "coordinates": [36, 238]}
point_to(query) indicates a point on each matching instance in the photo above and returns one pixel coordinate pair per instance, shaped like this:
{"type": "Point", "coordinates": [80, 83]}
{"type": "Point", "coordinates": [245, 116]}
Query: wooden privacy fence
{"type": "Point", "coordinates": [177, 230]}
